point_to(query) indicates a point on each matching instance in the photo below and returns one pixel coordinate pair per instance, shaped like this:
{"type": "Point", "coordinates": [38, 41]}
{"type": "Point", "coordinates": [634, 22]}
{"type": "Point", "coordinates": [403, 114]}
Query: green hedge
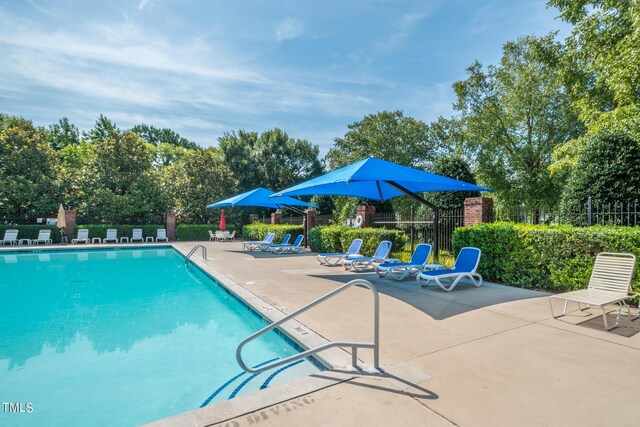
{"type": "Point", "coordinates": [31, 231]}
{"type": "Point", "coordinates": [556, 258]}
{"type": "Point", "coordinates": [197, 232]}
{"type": "Point", "coordinates": [100, 230]}
{"type": "Point", "coordinates": [336, 238]}
{"type": "Point", "coordinates": [258, 231]}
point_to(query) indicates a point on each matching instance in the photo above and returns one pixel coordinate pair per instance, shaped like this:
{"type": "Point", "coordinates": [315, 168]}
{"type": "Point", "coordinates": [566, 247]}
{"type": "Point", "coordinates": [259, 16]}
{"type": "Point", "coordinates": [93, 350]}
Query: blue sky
{"type": "Point", "coordinates": [203, 68]}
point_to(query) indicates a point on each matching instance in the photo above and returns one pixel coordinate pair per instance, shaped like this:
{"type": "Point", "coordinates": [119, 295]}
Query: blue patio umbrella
{"type": "Point", "coordinates": [381, 180]}
{"type": "Point", "coordinates": [259, 197]}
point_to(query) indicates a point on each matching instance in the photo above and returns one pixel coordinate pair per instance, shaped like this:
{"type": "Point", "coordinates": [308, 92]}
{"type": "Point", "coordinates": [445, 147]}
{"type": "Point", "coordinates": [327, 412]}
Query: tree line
{"type": "Point", "coordinates": [551, 124]}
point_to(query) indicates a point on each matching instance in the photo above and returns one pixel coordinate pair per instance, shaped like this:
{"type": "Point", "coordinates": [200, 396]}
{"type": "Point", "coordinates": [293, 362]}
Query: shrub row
{"type": "Point", "coordinates": [258, 231]}
{"type": "Point", "coordinates": [337, 238]}
{"type": "Point", "coordinates": [100, 230]}
{"type": "Point", "coordinates": [197, 232]}
{"type": "Point", "coordinates": [31, 231]}
{"type": "Point", "coordinates": [556, 258]}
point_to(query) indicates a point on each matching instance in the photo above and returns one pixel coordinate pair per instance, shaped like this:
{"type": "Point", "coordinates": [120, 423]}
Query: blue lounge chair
{"type": "Point", "coordinates": [465, 266]}
{"type": "Point", "coordinates": [336, 258]}
{"type": "Point", "coordinates": [254, 245]}
{"type": "Point", "coordinates": [364, 263]}
{"type": "Point", "coordinates": [267, 246]}
{"type": "Point", "coordinates": [400, 270]}
{"type": "Point", "coordinates": [296, 247]}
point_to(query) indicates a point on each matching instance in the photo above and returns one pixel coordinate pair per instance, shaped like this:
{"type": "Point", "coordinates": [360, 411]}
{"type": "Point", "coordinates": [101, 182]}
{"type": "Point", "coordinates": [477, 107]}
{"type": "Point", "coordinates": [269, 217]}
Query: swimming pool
{"type": "Point", "coordinates": [123, 336]}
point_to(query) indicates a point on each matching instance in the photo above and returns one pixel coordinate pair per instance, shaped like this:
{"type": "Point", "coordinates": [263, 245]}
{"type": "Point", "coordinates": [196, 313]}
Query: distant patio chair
{"type": "Point", "coordinates": [364, 263]}
{"type": "Point", "coordinates": [136, 235]}
{"type": "Point", "coordinates": [267, 246]}
{"type": "Point", "coordinates": [161, 234]}
{"type": "Point", "coordinates": [610, 283]}
{"type": "Point", "coordinates": [295, 247]}
{"type": "Point", "coordinates": [10, 237]}
{"type": "Point", "coordinates": [112, 236]}
{"type": "Point", "coordinates": [82, 236]}
{"type": "Point", "coordinates": [336, 257]}
{"type": "Point", "coordinates": [44, 237]}
{"type": "Point", "coordinates": [465, 266]}
{"type": "Point", "coordinates": [400, 270]}
{"type": "Point", "coordinates": [255, 244]}
{"type": "Point", "coordinates": [232, 236]}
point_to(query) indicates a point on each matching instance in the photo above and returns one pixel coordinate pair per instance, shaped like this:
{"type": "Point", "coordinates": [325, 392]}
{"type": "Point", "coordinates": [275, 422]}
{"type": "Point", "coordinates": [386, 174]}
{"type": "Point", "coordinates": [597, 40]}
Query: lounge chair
{"type": "Point", "coordinates": [465, 266]}
{"type": "Point", "coordinates": [161, 234]}
{"type": "Point", "coordinates": [267, 246]}
{"type": "Point", "coordinates": [44, 237]}
{"type": "Point", "coordinates": [336, 258]}
{"type": "Point", "coordinates": [82, 237]}
{"type": "Point", "coordinates": [10, 237]}
{"type": "Point", "coordinates": [112, 236]}
{"type": "Point", "coordinates": [610, 283]}
{"type": "Point", "coordinates": [212, 237]}
{"type": "Point", "coordinates": [399, 270]}
{"type": "Point", "coordinates": [255, 244]}
{"type": "Point", "coordinates": [364, 263]}
{"type": "Point", "coordinates": [231, 236]}
{"type": "Point", "coordinates": [136, 235]}
{"type": "Point", "coordinates": [296, 247]}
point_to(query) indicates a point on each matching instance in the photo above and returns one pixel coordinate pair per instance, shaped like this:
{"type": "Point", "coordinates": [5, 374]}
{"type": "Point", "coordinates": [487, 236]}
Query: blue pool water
{"type": "Point", "coordinates": [122, 337]}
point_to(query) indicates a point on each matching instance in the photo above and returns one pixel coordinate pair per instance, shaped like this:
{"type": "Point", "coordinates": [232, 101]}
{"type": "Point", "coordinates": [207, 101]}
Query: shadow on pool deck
{"type": "Point", "coordinates": [261, 254]}
{"type": "Point", "coordinates": [438, 303]}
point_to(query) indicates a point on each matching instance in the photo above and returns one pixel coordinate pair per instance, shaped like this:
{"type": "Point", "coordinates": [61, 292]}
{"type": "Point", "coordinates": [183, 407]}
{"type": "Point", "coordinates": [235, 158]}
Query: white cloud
{"type": "Point", "coordinates": [143, 3]}
{"type": "Point", "coordinates": [290, 28]}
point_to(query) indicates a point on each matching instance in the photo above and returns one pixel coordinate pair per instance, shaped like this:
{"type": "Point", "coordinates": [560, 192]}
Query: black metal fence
{"type": "Point", "coordinates": [419, 227]}
{"type": "Point", "coordinates": [589, 213]}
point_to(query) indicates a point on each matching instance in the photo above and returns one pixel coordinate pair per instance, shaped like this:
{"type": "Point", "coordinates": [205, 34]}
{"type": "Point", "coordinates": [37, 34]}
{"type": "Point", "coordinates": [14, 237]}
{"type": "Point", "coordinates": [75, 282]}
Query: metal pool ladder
{"type": "Point", "coordinates": [193, 250]}
{"type": "Point", "coordinates": [375, 345]}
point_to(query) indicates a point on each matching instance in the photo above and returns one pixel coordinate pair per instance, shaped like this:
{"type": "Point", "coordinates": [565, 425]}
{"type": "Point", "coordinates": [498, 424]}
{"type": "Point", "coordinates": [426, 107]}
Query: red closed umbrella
{"type": "Point", "coordinates": [223, 222]}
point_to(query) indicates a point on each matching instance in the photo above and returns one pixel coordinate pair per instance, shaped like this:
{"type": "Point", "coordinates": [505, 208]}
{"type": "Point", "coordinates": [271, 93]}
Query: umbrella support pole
{"type": "Point", "coordinates": [304, 221]}
{"type": "Point", "coordinates": [436, 214]}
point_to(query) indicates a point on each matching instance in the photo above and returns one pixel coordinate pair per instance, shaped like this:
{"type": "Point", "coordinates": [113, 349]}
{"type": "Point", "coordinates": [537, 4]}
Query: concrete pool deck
{"type": "Point", "coordinates": [473, 357]}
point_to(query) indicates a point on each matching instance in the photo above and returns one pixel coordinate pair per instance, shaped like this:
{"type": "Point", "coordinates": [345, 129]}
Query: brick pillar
{"type": "Point", "coordinates": [70, 219]}
{"type": "Point", "coordinates": [253, 218]}
{"type": "Point", "coordinates": [311, 218]}
{"type": "Point", "coordinates": [478, 210]}
{"type": "Point", "coordinates": [171, 225]}
{"type": "Point", "coordinates": [276, 217]}
{"type": "Point", "coordinates": [367, 213]}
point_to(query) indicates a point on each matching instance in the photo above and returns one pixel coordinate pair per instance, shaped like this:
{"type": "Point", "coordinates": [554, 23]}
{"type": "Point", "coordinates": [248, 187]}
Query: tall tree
{"type": "Point", "coordinates": [198, 179]}
{"type": "Point", "coordinates": [387, 135]}
{"type": "Point", "coordinates": [515, 114]}
{"type": "Point", "coordinates": [156, 136]}
{"type": "Point", "coordinates": [103, 130]}
{"type": "Point", "coordinates": [272, 159]}
{"type": "Point", "coordinates": [601, 68]}
{"type": "Point", "coordinates": [124, 187]}
{"type": "Point", "coordinates": [62, 134]}
{"type": "Point", "coordinates": [27, 170]}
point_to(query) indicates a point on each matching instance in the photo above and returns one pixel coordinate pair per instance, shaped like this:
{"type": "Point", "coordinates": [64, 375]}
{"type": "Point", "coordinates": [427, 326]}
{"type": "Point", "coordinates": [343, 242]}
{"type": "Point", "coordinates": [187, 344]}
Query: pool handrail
{"type": "Point", "coordinates": [375, 345]}
{"type": "Point", "coordinates": [193, 250]}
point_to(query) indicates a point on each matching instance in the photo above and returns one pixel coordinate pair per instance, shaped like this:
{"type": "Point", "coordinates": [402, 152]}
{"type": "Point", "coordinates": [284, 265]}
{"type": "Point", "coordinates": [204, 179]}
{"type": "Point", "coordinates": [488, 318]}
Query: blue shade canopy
{"type": "Point", "coordinates": [260, 198]}
{"type": "Point", "coordinates": [378, 180]}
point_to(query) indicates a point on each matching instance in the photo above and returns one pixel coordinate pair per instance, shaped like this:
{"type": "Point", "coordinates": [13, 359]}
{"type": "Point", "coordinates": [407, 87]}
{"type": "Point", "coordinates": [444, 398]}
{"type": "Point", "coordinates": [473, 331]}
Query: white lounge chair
{"type": "Point", "coordinates": [400, 270]}
{"type": "Point", "coordinates": [267, 246]}
{"type": "Point", "coordinates": [336, 258]}
{"type": "Point", "coordinates": [44, 237]}
{"type": "Point", "coordinates": [610, 283]}
{"type": "Point", "coordinates": [212, 237]}
{"type": "Point", "coordinates": [10, 237]}
{"type": "Point", "coordinates": [465, 266]}
{"type": "Point", "coordinates": [82, 237]}
{"type": "Point", "coordinates": [161, 234]}
{"type": "Point", "coordinates": [136, 235]}
{"type": "Point", "coordinates": [255, 245]}
{"type": "Point", "coordinates": [231, 236]}
{"type": "Point", "coordinates": [364, 263]}
{"type": "Point", "coordinates": [296, 247]}
{"type": "Point", "coordinates": [112, 236]}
